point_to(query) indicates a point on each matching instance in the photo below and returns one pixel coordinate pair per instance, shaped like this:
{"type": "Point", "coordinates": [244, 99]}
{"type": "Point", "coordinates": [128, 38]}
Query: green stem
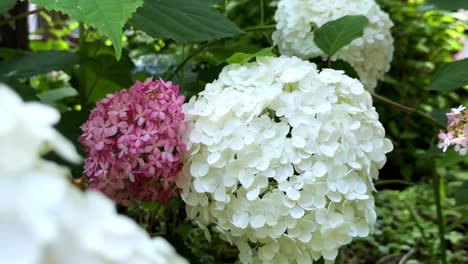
{"type": "Point", "coordinates": [258, 28]}
{"type": "Point", "coordinates": [188, 58]}
{"type": "Point", "coordinates": [436, 184]}
{"type": "Point", "coordinates": [460, 221]}
{"type": "Point", "coordinates": [81, 73]}
{"type": "Point", "coordinates": [262, 12]}
{"type": "Point", "coordinates": [417, 222]}
{"type": "Point", "coordinates": [406, 108]}
{"type": "Point", "coordinates": [20, 16]}
{"type": "Point", "coordinates": [386, 182]}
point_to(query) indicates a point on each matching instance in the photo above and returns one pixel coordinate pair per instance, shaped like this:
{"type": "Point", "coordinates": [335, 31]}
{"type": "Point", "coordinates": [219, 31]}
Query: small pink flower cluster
{"type": "Point", "coordinates": [457, 134]}
{"type": "Point", "coordinates": [134, 142]}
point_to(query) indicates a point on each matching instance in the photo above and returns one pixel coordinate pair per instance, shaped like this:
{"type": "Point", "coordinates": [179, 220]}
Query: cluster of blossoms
{"type": "Point", "coordinates": [457, 134]}
{"type": "Point", "coordinates": [281, 159]}
{"type": "Point", "coordinates": [370, 55]}
{"type": "Point", "coordinates": [133, 142]}
{"type": "Point", "coordinates": [43, 218]}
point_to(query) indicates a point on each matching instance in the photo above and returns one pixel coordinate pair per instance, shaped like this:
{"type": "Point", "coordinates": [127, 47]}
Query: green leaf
{"type": "Point", "coordinates": [34, 63]}
{"type": "Point", "coordinates": [449, 158]}
{"type": "Point", "coordinates": [184, 21]}
{"type": "Point", "coordinates": [6, 53]}
{"type": "Point", "coordinates": [26, 92]}
{"type": "Point", "coordinates": [107, 16]}
{"type": "Point", "coordinates": [346, 67]}
{"type": "Point", "coordinates": [440, 115]}
{"type": "Point", "coordinates": [450, 76]}
{"type": "Point", "coordinates": [449, 4]}
{"type": "Point", "coordinates": [334, 35]}
{"type": "Point", "coordinates": [461, 194]}
{"type": "Point", "coordinates": [55, 95]}
{"type": "Point", "coordinates": [242, 58]}
{"type": "Point", "coordinates": [6, 5]}
{"type": "Point", "coordinates": [105, 75]}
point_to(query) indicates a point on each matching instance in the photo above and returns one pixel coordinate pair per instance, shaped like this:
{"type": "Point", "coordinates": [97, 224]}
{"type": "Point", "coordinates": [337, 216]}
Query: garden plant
{"type": "Point", "coordinates": [234, 131]}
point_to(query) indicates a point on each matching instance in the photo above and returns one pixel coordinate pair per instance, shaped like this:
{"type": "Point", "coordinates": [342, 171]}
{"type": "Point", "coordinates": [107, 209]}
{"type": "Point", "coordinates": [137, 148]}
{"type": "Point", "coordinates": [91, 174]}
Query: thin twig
{"type": "Point", "coordinates": [20, 16]}
{"type": "Point", "coordinates": [259, 27]}
{"type": "Point", "coordinates": [385, 182]}
{"type": "Point", "coordinates": [406, 108]}
{"type": "Point", "coordinates": [407, 256]}
{"type": "Point", "coordinates": [188, 58]}
{"type": "Point", "coordinates": [262, 12]}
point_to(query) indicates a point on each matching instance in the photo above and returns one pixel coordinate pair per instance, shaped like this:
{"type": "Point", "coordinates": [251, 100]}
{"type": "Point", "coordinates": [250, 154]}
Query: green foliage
{"type": "Point", "coordinates": [107, 16]}
{"type": "Point", "coordinates": [33, 63]}
{"type": "Point", "coordinates": [449, 4]}
{"type": "Point", "coordinates": [461, 194]}
{"type": "Point", "coordinates": [450, 76]}
{"type": "Point", "coordinates": [184, 21]}
{"type": "Point", "coordinates": [406, 222]}
{"type": "Point", "coordinates": [56, 95]}
{"type": "Point", "coordinates": [6, 5]}
{"type": "Point", "coordinates": [241, 57]}
{"type": "Point", "coordinates": [334, 35]}
{"type": "Point", "coordinates": [100, 73]}
{"type": "Point", "coordinates": [424, 41]}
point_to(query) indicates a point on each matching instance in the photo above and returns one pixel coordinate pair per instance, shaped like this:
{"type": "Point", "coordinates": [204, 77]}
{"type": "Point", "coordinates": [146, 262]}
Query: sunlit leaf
{"type": "Point", "coordinates": [334, 35]}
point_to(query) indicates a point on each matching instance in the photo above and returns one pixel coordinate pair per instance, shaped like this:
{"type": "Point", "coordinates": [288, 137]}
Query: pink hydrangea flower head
{"type": "Point", "coordinates": [133, 139]}
{"type": "Point", "coordinates": [457, 134]}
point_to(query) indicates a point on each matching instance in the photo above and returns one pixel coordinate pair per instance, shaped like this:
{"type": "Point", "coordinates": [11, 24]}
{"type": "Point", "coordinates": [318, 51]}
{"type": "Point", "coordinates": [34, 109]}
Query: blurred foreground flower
{"type": "Point", "coordinates": [281, 159]}
{"type": "Point", "coordinates": [43, 218]}
{"type": "Point", "coordinates": [133, 142]}
{"type": "Point", "coordinates": [457, 131]}
{"type": "Point", "coordinates": [370, 55]}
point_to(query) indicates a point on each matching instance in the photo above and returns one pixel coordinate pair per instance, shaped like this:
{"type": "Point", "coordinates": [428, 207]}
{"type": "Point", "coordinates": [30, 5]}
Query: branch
{"type": "Point", "coordinates": [406, 109]}
{"type": "Point", "coordinates": [189, 57]}
{"type": "Point", "coordinates": [260, 27]}
{"type": "Point", "coordinates": [20, 16]}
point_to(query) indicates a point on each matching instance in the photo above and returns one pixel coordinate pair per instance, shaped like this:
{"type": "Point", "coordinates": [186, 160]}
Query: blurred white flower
{"type": "Point", "coordinates": [281, 159]}
{"type": "Point", "coordinates": [46, 220]}
{"type": "Point", "coordinates": [370, 55]}
{"type": "Point", "coordinates": [27, 132]}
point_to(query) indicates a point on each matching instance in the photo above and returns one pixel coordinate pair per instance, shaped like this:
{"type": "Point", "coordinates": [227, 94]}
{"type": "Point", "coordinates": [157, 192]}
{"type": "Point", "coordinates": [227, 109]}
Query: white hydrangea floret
{"type": "Point", "coordinates": [43, 218]}
{"type": "Point", "coordinates": [370, 55]}
{"type": "Point", "coordinates": [281, 159]}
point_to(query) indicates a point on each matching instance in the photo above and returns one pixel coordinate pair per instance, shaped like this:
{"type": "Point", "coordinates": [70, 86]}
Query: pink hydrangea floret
{"type": "Point", "coordinates": [133, 139]}
{"type": "Point", "coordinates": [457, 134]}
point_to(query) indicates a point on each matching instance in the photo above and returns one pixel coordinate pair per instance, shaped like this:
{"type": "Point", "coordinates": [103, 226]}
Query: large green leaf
{"type": "Point", "coordinates": [334, 35]}
{"type": "Point", "coordinates": [6, 5]}
{"type": "Point", "coordinates": [34, 63]}
{"type": "Point", "coordinates": [103, 75]}
{"type": "Point", "coordinates": [107, 16]}
{"type": "Point", "coordinates": [185, 21]}
{"type": "Point", "coordinates": [242, 58]}
{"type": "Point", "coordinates": [449, 4]}
{"type": "Point", "coordinates": [450, 76]}
{"type": "Point", "coordinates": [55, 95]}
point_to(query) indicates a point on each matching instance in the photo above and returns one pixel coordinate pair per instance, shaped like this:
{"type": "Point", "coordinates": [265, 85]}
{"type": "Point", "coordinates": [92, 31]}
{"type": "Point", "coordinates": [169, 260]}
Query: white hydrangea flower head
{"type": "Point", "coordinates": [46, 220]}
{"type": "Point", "coordinates": [281, 159]}
{"type": "Point", "coordinates": [370, 55]}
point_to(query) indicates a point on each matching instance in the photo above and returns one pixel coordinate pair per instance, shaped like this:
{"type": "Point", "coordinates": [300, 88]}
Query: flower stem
{"type": "Point", "coordinates": [20, 16]}
{"type": "Point", "coordinates": [406, 109]}
{"type": "Point", "coordinates": [259, 28]}
{"type": "Point", "coordinates": [188, 58]}
{"type": "Point", "coordinates": [436, 184]}
{"type": "Point", "coordinates": [81, 71]}
{"type": "Point", "coordinates": [262, 12]}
